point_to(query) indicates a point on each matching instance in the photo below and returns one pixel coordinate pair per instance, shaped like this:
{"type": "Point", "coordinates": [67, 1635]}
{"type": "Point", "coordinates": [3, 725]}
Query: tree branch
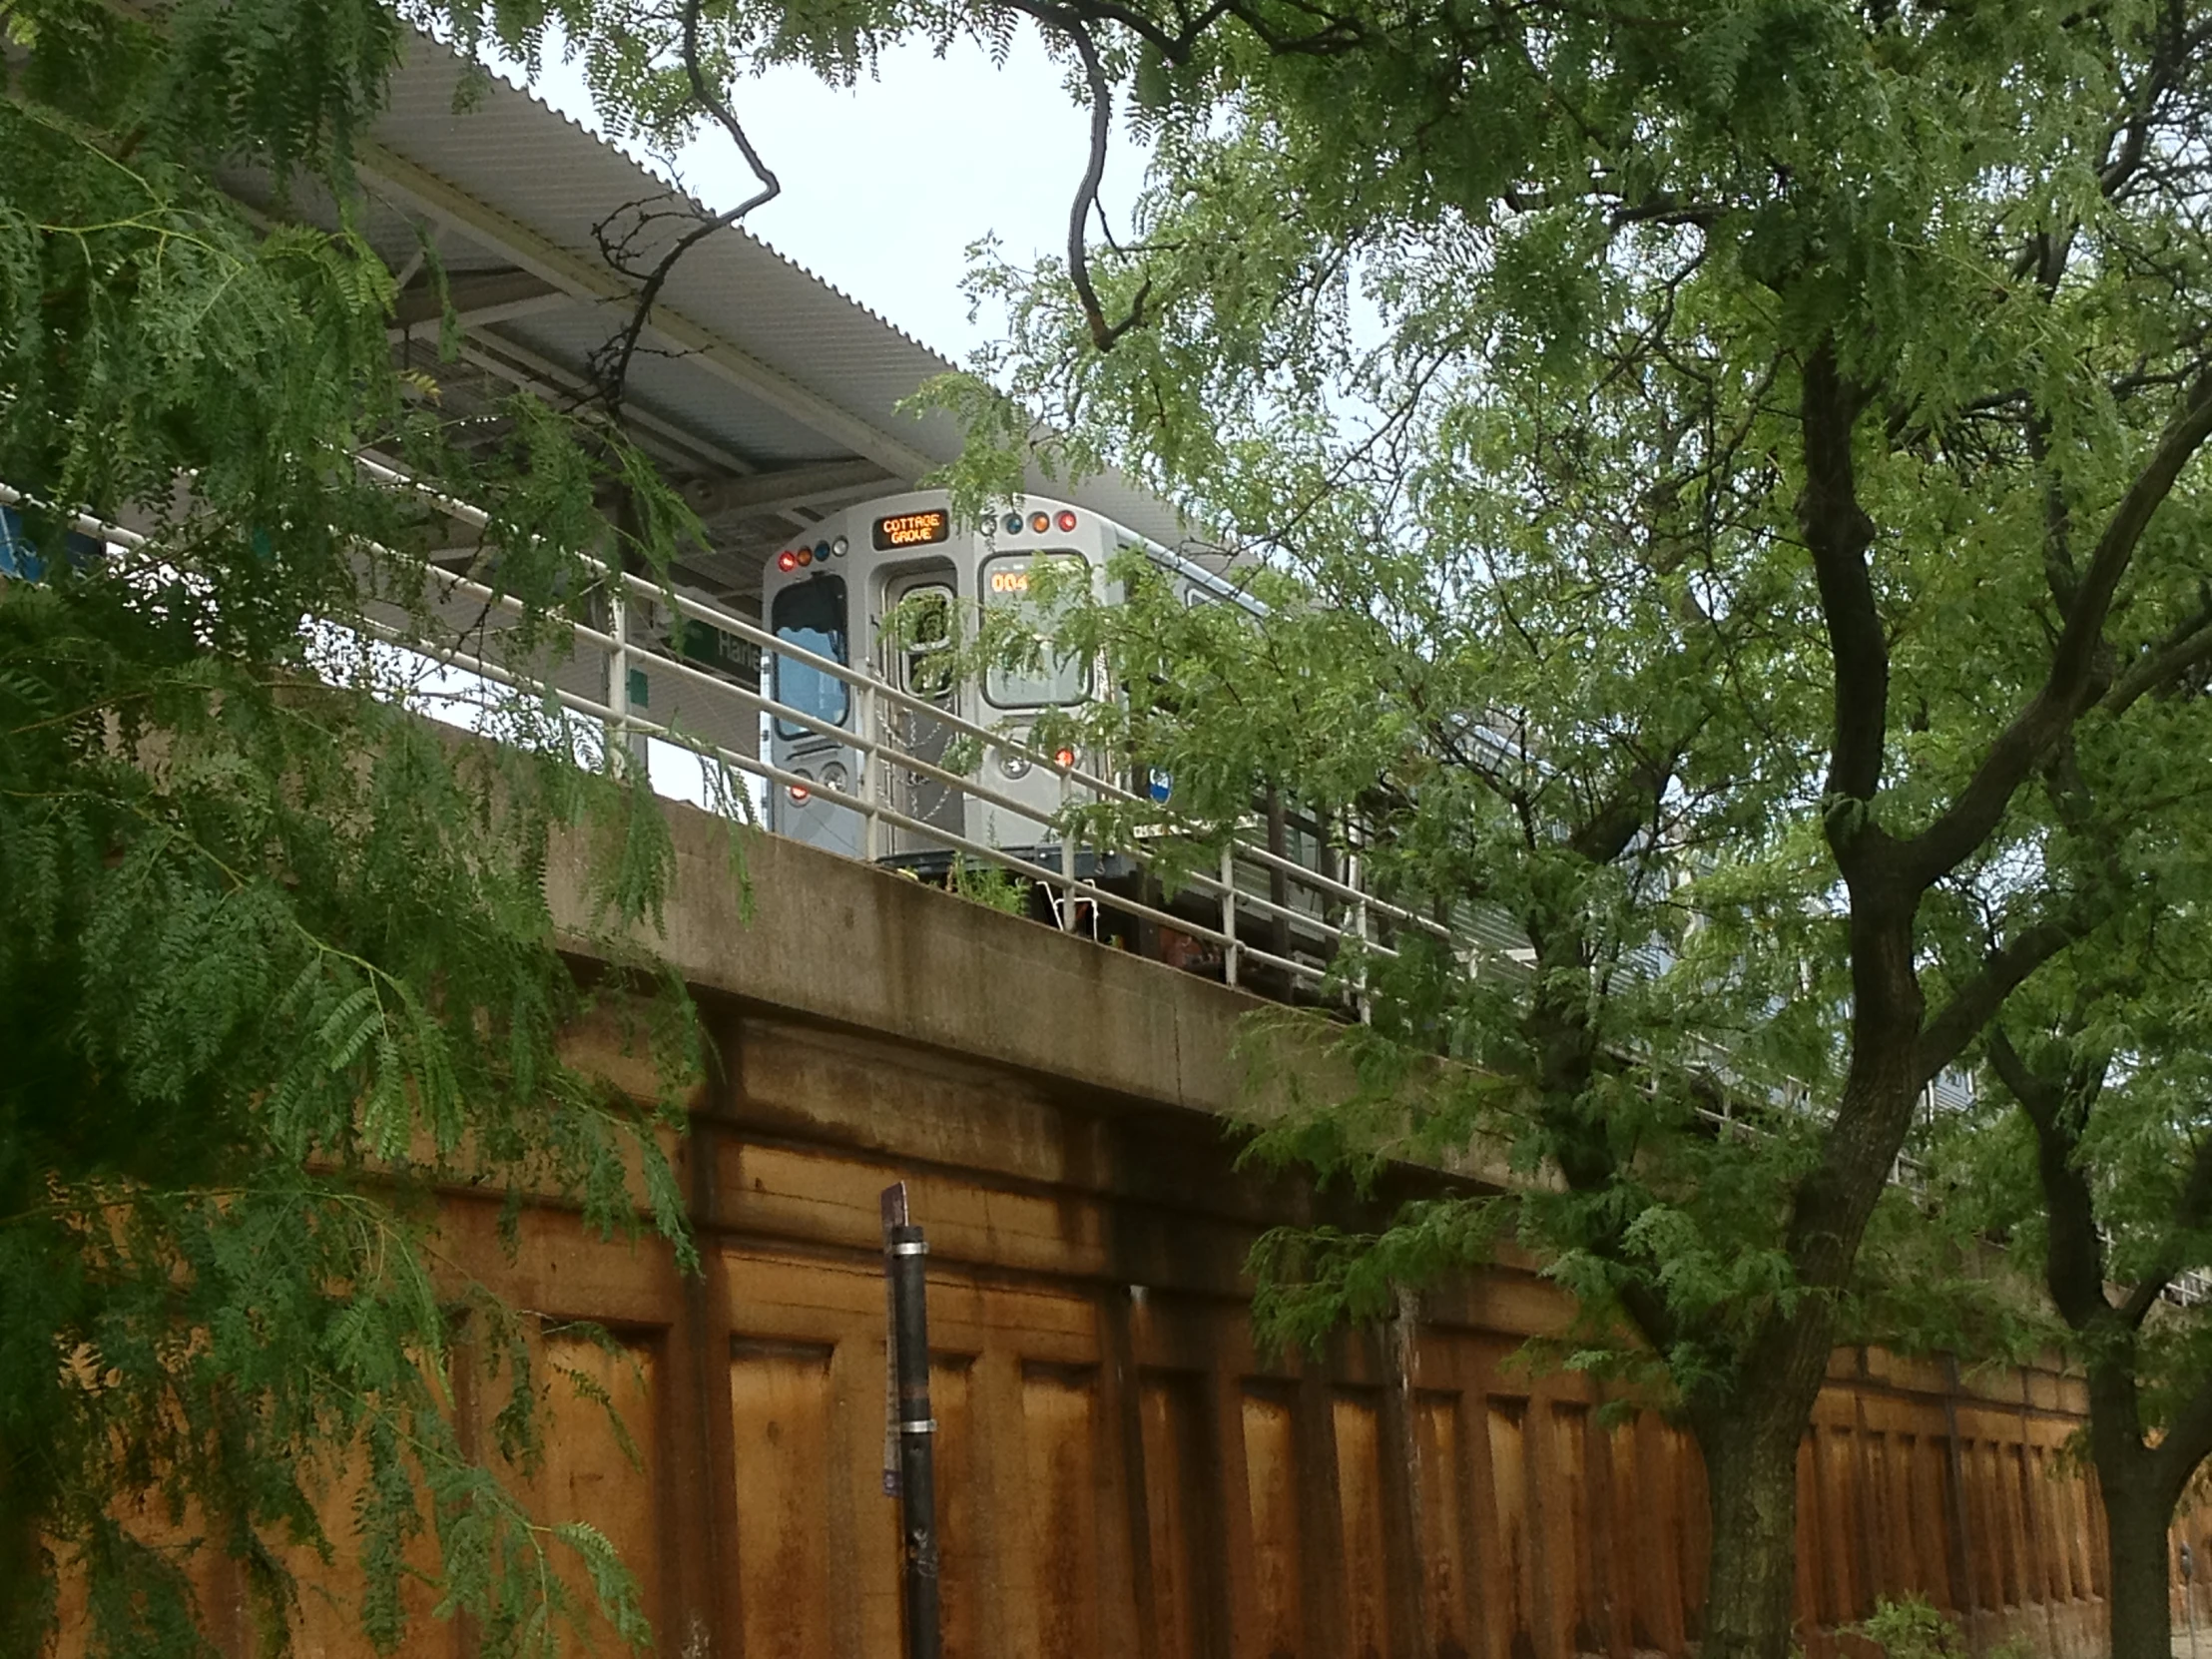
{"type": "Point", "coordinates": [1944, 1037]}
{"type": "Point", "coordinates": [2188, 645]}
{"type": "Point", "coordinates": [1839, 532]}
{"type": "Point", "coordinates": [2071, 684]}
{"type": "Point", "coordinates": [2190, 1210]}
{"type": "Point", "coordinates": [2128, 144]}
{"type": "Point", "coordinates": [2073, 1260]}
{"type": "Point", "coordinates": [611, 363]}
{"type": "Point", "coordinates": [1104, 335]}
{"type": "Point", "coordinates": [1077, 14]}
{"type": "Point", "coordinates": [2186, 1443]}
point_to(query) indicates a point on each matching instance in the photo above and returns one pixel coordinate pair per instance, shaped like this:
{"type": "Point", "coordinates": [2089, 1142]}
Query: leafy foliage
{"type": "Point", "coordinates": [1725, 486]}
{"type": "Point", "coordinates": [2092, 1156]}
{"type": "Point", "coordinates": [989, 887]}
{"type": "Point", "coordinates": [276, 960]}
{"type": "Point", "coordinates": [1913, 1629]}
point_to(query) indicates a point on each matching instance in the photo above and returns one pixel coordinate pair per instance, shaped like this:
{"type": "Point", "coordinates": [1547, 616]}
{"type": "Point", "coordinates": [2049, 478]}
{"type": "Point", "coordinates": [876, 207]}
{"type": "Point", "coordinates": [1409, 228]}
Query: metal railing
{"type": "Point", "coordinates": [872, 733]}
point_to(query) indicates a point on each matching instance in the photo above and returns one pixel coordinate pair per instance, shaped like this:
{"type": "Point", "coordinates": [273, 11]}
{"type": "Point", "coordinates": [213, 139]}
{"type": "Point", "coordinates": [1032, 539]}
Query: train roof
{"type": "Point", "coordinates": [769, 396]}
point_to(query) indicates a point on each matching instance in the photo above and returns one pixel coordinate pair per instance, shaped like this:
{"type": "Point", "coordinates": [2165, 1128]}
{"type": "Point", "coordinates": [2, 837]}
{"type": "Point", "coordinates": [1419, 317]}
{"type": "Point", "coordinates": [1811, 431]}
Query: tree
{"type": "Point", "coordinates": [2102, 1171]}
{"type": "Point", "coordinates": [275, 958]}
{"type": "Point", "coordinates": [1719, 476]}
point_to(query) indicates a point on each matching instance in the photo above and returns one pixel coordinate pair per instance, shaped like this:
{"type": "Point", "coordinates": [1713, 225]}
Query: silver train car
{"type": "Point", "coordinates": [830, 595]}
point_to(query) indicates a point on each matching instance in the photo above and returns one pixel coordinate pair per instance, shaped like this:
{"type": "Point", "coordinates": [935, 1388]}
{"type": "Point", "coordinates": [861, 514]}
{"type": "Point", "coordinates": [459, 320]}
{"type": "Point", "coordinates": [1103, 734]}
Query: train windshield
{"type": "Point", "coordinates": [1056, 679]}
{"type": "Point", "coordinates": [810, 616]}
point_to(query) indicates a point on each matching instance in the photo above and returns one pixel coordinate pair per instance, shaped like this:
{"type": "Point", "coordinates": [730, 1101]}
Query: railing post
{"type": "Point", "coordinates": [1229, 913]}
{"type": "Point", "coordinates": [1067, 906]}
{"type": "Point", "coordinates": [618, 678]}
{"type": "Point", "coordinates": [864, 717]}
{"type": "Point", "coordinates": [1356, 872]}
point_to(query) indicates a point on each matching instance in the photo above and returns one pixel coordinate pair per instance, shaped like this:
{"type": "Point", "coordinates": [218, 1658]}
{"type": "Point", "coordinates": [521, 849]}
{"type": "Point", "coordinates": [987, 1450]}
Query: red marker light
{"type": "Point", "coordinates": [1066, 757]}
{"type": "Point", "coordinates": [1067, 520]}
{"type": "Point", "coordinates": [1040, 522]}
{"type": "Point", "coordinates": [800, 796]}
{"type": "Point", "coordinates": [787, 561]}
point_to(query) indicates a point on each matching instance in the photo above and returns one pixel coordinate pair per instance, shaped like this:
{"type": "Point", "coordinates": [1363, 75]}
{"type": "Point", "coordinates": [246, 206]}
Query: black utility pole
{"type": "Point", "coordinates": [903, 1252]}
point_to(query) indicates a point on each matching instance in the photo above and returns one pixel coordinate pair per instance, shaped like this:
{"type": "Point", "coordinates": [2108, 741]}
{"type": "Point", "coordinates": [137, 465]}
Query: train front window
{"type": "Point", "coordinates": [1056, 678]}
{"type": "Point", "coordinates": [810, 617]}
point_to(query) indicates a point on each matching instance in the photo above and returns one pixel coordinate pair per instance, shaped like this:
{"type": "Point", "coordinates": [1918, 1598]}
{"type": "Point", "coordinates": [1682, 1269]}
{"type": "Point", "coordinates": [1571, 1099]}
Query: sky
{"type": "Point", "coordinates": [885, 186]}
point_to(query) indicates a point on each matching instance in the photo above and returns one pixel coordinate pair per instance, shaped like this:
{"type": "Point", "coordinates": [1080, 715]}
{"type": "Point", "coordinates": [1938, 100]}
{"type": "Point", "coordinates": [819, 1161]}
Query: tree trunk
{"type": "Point", "coordinates": [24, 1588]}
{"type": "Point", "coordinates": [1751, 1458]}
{"type": "Point", "coordinates": [1749, 1427]}
{"type": "Point", "coordinates": [2135, 1522]}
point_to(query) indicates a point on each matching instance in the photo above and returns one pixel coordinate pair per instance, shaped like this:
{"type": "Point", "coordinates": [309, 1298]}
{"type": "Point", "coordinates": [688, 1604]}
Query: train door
{"type": "Point", "coordinates": [917, 663]}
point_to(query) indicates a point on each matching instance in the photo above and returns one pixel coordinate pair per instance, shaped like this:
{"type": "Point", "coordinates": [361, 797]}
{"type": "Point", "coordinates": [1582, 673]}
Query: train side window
{"type": "Point", "coordinates": [811, 617]}
{"type": "Point", "coordinates": [1057, 679]}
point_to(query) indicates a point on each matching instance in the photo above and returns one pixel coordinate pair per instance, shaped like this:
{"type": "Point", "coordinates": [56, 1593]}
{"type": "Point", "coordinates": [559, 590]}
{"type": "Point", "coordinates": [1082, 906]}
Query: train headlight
{"type": "Point", "coordinates": [1013, 764]}
{"type": "Point", "coordinates": [800, 792]}
{"type": "Point", "coordinates": [840, 546]}
{"type": "Point", "coordinates": [833, 778]}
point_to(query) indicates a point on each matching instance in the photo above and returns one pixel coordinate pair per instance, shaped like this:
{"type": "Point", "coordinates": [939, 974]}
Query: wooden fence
{"type": "Point", "coordinates": [1120, 1471]}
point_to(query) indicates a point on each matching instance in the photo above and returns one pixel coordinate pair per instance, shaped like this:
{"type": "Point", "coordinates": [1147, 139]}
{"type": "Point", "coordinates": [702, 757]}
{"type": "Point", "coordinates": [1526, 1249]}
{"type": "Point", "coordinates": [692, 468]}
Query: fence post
{"type": "Point", "coordinates": [903, 1252]}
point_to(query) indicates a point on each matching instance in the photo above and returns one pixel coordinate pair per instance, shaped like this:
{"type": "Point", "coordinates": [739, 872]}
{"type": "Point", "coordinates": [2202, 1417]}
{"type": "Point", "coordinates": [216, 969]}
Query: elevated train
{"type": "Point", "coordinates": [832, 596]}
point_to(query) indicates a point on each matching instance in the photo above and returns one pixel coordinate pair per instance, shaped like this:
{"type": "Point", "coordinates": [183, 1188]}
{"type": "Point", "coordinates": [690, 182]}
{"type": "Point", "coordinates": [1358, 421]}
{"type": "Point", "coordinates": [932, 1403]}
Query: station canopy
{"type": "Point", "coordinates": [766, 396]}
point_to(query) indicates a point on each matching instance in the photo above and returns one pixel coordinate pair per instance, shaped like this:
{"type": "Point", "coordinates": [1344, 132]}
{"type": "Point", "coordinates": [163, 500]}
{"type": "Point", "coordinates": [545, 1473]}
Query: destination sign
{"type": "Point", "coordinates": [913, 529]}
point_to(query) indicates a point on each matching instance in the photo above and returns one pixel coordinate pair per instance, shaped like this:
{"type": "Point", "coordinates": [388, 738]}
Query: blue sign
{"type": "Point", "coordinates": [19, 558]}
{"type": "Point", "coordinates": [16, 555]}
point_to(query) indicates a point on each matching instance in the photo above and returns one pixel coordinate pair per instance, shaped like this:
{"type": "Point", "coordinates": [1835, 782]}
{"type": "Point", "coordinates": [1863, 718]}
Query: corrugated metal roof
{"type": "Point", "coordinates": [753, 364]}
